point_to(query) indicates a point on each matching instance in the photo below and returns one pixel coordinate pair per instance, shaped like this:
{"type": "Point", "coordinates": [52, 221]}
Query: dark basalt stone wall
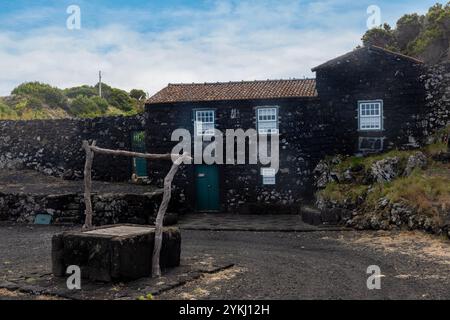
{"type": "Point", "coordinates": [54, 146]}
{"type": "Point", "coordinates": [437, 85]}
{"type": "Point", "coordinates": [305, 138]}
{"type": "Point", "coordinates": [373, 75]}
{"type": "Point", "coordinates": [69, 208]}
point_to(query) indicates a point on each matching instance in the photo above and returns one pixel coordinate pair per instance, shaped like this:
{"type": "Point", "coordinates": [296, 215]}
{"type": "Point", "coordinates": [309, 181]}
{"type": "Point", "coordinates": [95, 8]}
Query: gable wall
{"type": "Point", "coordinates": [372, 76]}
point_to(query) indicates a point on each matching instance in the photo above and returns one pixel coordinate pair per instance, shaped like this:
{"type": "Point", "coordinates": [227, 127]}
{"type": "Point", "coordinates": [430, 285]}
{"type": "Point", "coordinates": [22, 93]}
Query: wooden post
{"type": "Point", "coordinates": [88, 184]}
{"type": "Point", "coordinates": [156, 270]}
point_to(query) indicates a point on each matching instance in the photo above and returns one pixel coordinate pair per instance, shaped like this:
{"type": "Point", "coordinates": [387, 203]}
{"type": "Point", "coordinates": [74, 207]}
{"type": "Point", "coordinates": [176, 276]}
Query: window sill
{"type": "Point", "coordinates": [370, 130]}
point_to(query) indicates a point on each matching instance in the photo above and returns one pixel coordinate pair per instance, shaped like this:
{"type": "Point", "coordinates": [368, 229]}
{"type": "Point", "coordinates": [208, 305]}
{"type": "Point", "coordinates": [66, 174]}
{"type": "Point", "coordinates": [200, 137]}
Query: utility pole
{"type": "Point", "coordinates": [100, 83]}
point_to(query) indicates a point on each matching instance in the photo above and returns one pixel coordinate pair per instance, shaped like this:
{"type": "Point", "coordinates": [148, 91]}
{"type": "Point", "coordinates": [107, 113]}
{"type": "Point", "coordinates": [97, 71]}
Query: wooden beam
{"type": "Point", "coordinates": [124, 153]}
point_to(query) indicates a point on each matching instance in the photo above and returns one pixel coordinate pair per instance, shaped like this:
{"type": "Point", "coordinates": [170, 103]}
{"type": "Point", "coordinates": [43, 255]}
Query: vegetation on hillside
{"type": "Point", "coordinates": [425, 190]}
{"type": "Point", "coordinates": [35, 100]}
{"type": "Point", "coordinates": [426, 37]}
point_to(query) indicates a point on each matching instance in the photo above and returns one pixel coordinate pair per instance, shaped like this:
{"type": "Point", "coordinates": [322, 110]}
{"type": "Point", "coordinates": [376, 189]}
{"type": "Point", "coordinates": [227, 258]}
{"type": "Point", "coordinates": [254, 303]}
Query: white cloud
{"type": "Point", "coordinates": [229, 42]}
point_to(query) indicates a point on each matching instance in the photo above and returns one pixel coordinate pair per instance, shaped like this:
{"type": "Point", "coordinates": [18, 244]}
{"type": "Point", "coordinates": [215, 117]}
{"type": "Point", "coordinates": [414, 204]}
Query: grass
{"type": "Point", "coordinates": [438, 146]}
{"type": "Point", "coordinates": [340, 192]}
{"type": "Point", "coordinates": [367, 162]}
{"type": "Point", "coordinates": [426, 193]}
{"type": "Point", "coordinates": [425, 190]}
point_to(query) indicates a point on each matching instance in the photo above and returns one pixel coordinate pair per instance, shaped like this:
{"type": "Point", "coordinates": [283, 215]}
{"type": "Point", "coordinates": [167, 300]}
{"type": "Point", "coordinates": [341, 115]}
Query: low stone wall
{"type": "Point", "coordinates": [69, 208]}
{"type": "Point", "coordinates": [54, 146]}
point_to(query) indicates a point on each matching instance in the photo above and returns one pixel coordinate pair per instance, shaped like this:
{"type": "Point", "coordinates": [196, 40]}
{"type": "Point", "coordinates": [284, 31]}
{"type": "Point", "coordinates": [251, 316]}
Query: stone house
{"type": "Point", "coordinates": [368, 100]}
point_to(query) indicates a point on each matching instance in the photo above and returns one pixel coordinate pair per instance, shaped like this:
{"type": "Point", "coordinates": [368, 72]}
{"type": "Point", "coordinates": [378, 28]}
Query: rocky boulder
{"type": "Point", "coordinates": [322, 174]}
{"type": "Point", "coordinates": [385, 170]}
{"type": "Point", "coordinates": [417, 160]}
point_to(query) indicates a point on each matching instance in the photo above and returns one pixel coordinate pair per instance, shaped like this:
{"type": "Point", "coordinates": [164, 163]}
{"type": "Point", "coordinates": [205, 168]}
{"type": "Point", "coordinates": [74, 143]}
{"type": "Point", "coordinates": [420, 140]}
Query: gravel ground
{"type": "Point", "coordinates": [320, 265]}
{"type": "Point", "coordinates": [275, 265]}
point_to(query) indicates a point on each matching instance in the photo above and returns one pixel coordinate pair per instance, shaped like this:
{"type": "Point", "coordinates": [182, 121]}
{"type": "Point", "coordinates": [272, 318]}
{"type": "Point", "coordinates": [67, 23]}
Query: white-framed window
{"type": "Point", "coordinates": [370, 115]}
{"type": "Point", "coordinates": [267, 120]}
{"type": "Point", "coordinates": [204, 122]}
{"type": "Point", "coordinates": [268, 176]}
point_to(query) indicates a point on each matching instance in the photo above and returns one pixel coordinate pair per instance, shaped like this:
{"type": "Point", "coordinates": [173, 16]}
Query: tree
{"type": "Point", "coordinates": [382, 37]}
{"type": "Point", "coordinates": [138, 94]}
{"type": "Point", "coordinates": [408, 29]}
{"type": "Point", "coordinates": [120, 99]}
{"type": "Point", "coordinates": [432, 44]}
{"type": "Point", "coordinates": [426, 37]}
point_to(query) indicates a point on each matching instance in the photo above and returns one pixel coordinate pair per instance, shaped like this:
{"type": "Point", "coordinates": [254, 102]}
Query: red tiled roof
{"type": "Point", "coordinates": [245, 90]}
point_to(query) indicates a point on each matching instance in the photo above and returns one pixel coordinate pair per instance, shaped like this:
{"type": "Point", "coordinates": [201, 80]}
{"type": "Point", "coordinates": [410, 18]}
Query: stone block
{"type": "Point", "coordinates": [311, 216]}
{"type": "Point", "coordinates": [330, 217]}
{"type": "Point", "coordinates": [113, 253]}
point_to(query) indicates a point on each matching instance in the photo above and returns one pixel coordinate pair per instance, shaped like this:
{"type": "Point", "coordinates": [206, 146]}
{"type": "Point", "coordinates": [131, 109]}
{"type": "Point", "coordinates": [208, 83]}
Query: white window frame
{"type": "Point", "coordinates": [198, 125]}
{"type": "Point", "coordinates": [370, 115]}
{"type": "Point", "coordinates": [268, 176]}
{"type": "Point", "coordinates": [271, 111]}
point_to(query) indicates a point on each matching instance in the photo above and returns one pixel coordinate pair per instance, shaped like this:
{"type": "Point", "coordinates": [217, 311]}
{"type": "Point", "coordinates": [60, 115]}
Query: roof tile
{"type": "Point", "coordinates": [244, 90]}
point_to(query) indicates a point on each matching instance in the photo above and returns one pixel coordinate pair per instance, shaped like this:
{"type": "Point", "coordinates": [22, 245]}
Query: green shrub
{"type": "Point", "coordinates": [84, 90]}
{"type": "Point", "coordinates": [121, 100]}
{"type": "Point", "coordinates": [6, 112]}
{"type": "Point", "coordinates": [340, 192]}
{"type": "Point", "coordinates": [101, 103]}
{"type": "Point", "coordinates": [47, 94]}
{"type": "Point", "coordinates": [34, 103]}
{"type": "Point", "coordinates": [83, 106]}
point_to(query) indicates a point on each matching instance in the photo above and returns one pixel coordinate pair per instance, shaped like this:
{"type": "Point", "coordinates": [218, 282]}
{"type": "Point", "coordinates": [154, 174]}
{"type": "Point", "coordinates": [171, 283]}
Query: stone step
{"type": "Point", "coordinates": [68, 220]}
{"type": "Point", "coordinates": [311, 215]}
{"type": "Point", "coordinates": [317, 217]}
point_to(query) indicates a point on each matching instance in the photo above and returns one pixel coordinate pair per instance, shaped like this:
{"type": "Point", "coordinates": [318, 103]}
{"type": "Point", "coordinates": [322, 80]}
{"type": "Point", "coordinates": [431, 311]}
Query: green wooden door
{"type": "Point", "coordinates": [207, 188]}
{"type": "Point", "coordinates": [138, 145]}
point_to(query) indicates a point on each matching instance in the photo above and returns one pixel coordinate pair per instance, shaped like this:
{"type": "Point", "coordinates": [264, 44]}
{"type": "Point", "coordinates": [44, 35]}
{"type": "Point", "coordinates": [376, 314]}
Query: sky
{"type": "Point", "coordinates": [147, 44]}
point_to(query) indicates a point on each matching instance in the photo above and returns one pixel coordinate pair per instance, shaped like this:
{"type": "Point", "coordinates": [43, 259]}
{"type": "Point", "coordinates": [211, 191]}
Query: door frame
{"type": "Point", "coordinates": [133, 159]}
{"type": "Point", "coordinates": [219, 196]}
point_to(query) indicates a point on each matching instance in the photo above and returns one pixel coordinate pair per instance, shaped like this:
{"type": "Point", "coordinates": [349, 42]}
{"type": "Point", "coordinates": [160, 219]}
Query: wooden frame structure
{"type": "Point", "coordinates": [177, 159]}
